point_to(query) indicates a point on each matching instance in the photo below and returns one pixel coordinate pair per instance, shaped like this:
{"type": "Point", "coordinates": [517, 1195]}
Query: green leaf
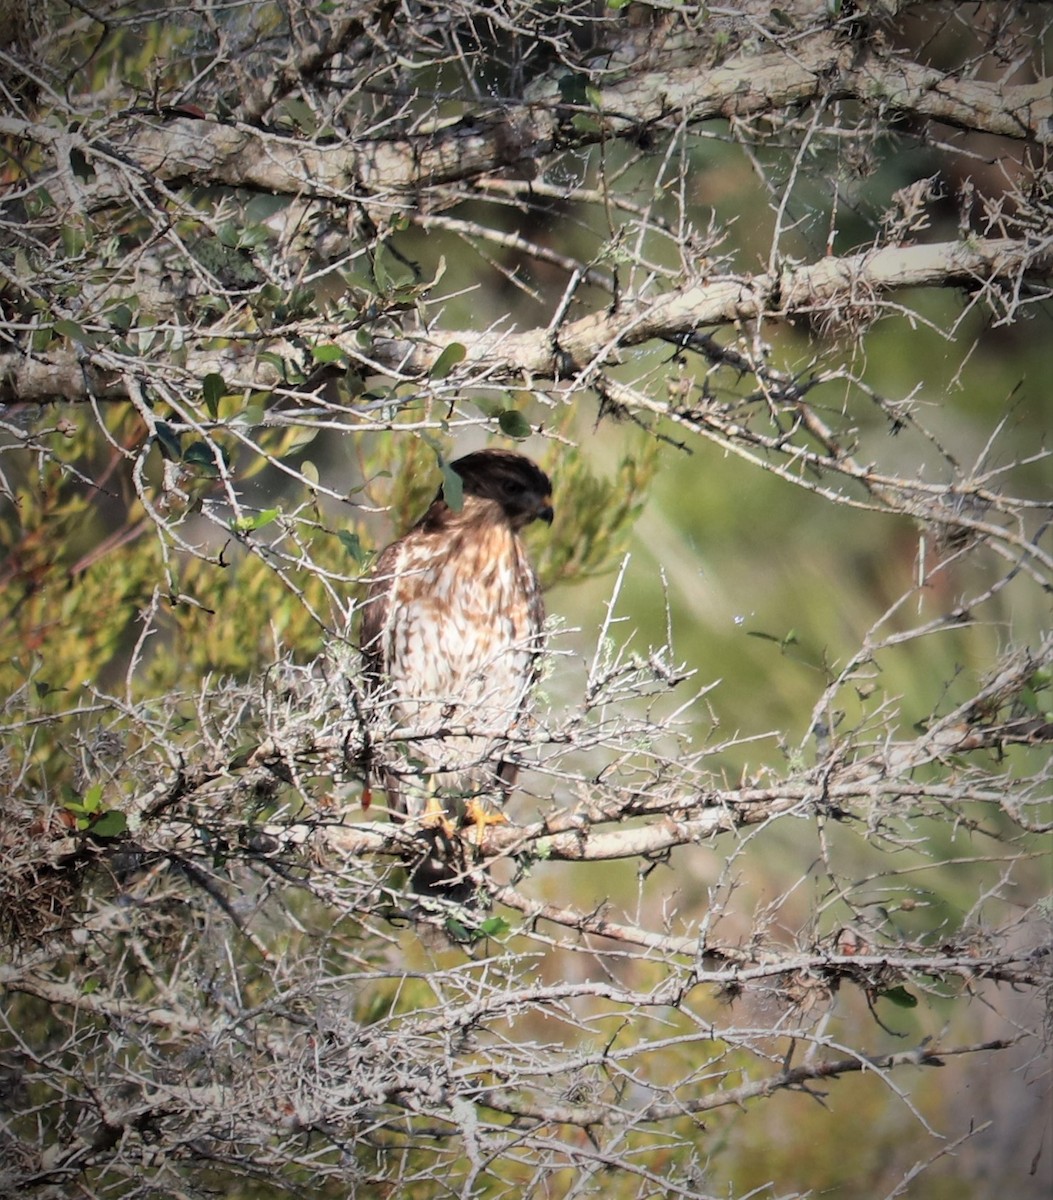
{"type": "Point", "coordinates": [514, 424]}
{"type": "Point", "coordinates": [447, 360]}
{"type": "Point", "coordinates": [168, 441]}
{"type": "Point", "coordinates": [73, 240]}
{"type": "Point", "coordinates": [327, 353]}
{"type": "Point", "coordinates": [390, 272]}
{"type": "Point", "coordinates": [583, 123]}
{"type": "Point", "coordinates": [310, 472]}
{"type": "Point", "coordinates": [213, 305]}
{"type": "Point", "coordinates": [352, 544]}
{"type": "Point", "coordinates": [213, 389]}
{"type": "Point", "coordinates": [572, 88]}
{"type": "Point", "coordinates": [900, 997]}
{"type": "Point", "coordinates": [258, 521]}
{"type": "Point", "coordinates": [299, 437]}
{"type": "Point", "coordinates": [93, 798]}
{"type": "Point", "coordinates": [264, 205]}
{"type": "Point", "coordinates": [75, 332]}
{"type": "Point", "coordinates": [254, 235]}
{"type": "Point", "coordinates": [38, 201]}
{"type": "Point", "coordinates": [199, 455]}
{"type": "Point", "coordinates": [110, 824]}
{"type": "Point", "coordinates": [251, 414]}
{"type": "Point", "coordinates": [300, 113]}
{"type": "Point", "coordinates": [457, 930]}
{"type": "Point", "coordinates": [494, 926]}
{"type": "Point", "coordinates": [789, 639]}
{"type": "Point", "coordinates": [452, 486]}
{"type": "Point", "coordinates": [359, 280]}
{"type": "Point", "coordinates": [121, 318]}
{"type": "Point", "coordinates": [274, 360]}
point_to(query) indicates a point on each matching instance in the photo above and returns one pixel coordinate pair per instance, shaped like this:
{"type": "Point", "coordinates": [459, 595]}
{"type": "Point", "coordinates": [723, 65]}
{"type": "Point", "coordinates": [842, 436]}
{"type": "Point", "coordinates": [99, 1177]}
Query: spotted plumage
{"type": "Point", "coordinates": [451, 633]}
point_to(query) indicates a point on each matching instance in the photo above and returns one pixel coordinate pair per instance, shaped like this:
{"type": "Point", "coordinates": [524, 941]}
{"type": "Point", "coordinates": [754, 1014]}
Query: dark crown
{"type": "Point", "coordinates": [519, 485]}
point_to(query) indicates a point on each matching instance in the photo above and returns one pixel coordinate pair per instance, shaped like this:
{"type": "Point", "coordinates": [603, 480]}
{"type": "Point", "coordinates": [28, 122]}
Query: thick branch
{"type": "Point", "coordinates": [825, 65]}
{"type": "Point", "coordinates": [599, 1115]}
{"type": "Point", "coordinates": [101, 1004]}
{"type": "Point", "coordinates": [188, 151]}
{"type": "Point", "coordinates": [795, 290]}
{"type": "Point", "coordinates": [588, 342]}
{"type": "Point", "coordinates": [183, 150]}
{"type": "Point", "coordinates": [574, 837]}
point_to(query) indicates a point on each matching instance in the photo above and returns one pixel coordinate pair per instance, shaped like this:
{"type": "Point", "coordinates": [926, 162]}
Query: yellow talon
{"type": "Point", "coordinates": [434, 817]}
{"type": "Point", "coordinates": [476, 814]}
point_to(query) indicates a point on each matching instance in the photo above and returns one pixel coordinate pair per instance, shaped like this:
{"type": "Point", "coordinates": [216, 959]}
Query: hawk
{"type": "Point", "coordinates": [451, 636]}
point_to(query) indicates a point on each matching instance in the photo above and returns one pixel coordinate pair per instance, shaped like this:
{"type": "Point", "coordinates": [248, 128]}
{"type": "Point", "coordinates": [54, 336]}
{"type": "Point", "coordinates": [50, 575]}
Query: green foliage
{"type": "Point", "coordinates": [594, 515]}
{"type": "Point", "coordinates": [89, 814]}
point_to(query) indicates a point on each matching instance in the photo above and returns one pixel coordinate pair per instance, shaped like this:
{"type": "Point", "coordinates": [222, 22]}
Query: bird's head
{"type": "Point", "coordinates": [513, 481]}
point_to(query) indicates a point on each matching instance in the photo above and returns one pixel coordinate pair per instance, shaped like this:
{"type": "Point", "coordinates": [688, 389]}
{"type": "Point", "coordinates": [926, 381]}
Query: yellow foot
{"type": "Point", "coordinates": [434, 817]}
{"type": "Point", "coordinates": [476, 814]}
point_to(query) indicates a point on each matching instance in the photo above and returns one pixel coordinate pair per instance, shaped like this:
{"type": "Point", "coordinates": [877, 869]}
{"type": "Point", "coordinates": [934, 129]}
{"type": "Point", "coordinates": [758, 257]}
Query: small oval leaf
{"type": "Point", "coordinates": [352, 544]}
{"type": "Point", "coordinates": [901, 997]}
{"type": "Point", "coordinates": [213, 389]}
{"type": "Point", "coordinates": [199, 455]}
{"type": "Point", "coordinates": [247, 524]}
{"type": "Point", "coordinates": [168, 441]}
{"type": "Point", "coordinates": [447, 360]}
{"type": "Point", "coordinates": [514, 424]}
{"type": "Point", "coordinates": [452, 486]}
{"type": "Point", "coordinates": [75, 332]}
